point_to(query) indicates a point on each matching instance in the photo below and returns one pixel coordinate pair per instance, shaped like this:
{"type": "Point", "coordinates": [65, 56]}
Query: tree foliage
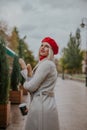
{"type": "Point", "coordinates": [25, 53]}
{"type": "Point", "coordinates": [3, 30]}
{"type": "Point", "coordinates": [17, 44]}
{"type": "Point", "coordinates": [72, 55]}
{"type": "Point", "coordinates": [14, 40]}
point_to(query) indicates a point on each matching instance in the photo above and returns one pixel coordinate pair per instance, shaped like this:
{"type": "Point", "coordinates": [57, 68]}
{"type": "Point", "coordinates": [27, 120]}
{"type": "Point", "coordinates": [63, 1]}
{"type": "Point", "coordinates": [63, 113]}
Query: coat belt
{"type": "Point", "coordinates": [48, 93]}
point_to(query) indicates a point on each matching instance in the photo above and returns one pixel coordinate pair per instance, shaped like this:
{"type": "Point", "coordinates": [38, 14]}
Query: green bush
{"type": "Point", "coordinates": [15, 75]}
{"type": "Point", "coordinates": [4, 74]}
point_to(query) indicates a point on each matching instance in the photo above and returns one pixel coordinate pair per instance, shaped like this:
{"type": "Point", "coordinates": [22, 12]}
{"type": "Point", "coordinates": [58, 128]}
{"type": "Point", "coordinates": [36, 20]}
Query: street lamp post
{"type": "Point", "coordinates": [84, 25]}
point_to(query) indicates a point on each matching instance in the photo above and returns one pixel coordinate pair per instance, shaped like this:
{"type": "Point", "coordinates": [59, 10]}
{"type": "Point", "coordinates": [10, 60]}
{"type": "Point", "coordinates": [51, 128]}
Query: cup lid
{"type": "Point", "coordinates": [22, 105]}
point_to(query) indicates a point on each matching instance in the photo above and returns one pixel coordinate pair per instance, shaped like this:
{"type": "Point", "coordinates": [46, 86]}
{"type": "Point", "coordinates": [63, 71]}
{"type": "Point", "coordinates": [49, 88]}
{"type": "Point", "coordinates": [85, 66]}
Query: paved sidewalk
{"type": "Point", "coordinates": [71, 99]}
{"type": "Point", "coordinates": [17, 120]}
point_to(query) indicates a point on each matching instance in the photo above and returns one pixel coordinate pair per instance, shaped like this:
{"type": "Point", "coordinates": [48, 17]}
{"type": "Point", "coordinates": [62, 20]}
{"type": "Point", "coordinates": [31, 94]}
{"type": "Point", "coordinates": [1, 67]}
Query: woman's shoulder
{"type": "Point", "coordinates": [48, 63]}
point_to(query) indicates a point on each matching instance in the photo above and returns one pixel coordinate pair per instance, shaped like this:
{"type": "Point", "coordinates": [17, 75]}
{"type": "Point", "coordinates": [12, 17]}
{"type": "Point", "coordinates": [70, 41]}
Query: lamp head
{"type": "Point", "coordinates": [82, 25]}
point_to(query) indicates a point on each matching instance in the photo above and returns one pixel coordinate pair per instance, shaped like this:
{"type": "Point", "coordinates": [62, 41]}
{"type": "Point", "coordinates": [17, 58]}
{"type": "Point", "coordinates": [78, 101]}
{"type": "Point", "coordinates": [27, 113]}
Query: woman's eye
{"type": "Point", "coordinates": [47, 46]}
{"type": "Point", "coordinates": [42, 45]}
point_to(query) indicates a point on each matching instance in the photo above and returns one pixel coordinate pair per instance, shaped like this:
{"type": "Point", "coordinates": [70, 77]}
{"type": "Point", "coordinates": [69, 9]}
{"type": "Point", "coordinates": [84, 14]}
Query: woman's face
{"type": "Point", "coordinates": [44, 49]}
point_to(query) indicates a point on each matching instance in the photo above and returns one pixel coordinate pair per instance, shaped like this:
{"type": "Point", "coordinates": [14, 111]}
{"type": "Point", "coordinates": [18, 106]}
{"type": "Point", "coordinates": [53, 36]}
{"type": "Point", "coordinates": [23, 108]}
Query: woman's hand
{"type": "Point", "coordinates": [24, 66]}
{"type": "Point", "coordinates": [29, 68]}
{"type": "Point", "coordinates": [22, 63]}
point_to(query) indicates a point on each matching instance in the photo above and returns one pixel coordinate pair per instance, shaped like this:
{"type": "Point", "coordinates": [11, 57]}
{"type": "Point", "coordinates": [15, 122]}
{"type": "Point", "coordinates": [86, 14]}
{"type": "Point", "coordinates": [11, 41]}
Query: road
{"type": "Point", "coordinates": [71, 98]}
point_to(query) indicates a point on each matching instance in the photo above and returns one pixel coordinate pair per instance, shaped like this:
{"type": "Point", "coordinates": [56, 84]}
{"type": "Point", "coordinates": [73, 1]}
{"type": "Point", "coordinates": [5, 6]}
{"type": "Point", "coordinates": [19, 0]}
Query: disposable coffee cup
{"type": "Point", "coordinates": [23, 108]}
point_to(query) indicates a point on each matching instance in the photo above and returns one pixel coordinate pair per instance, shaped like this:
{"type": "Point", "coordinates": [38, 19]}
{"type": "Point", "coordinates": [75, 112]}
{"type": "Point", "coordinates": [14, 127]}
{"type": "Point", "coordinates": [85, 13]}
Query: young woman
{"type": "Point", "coordinates": [42, 113]}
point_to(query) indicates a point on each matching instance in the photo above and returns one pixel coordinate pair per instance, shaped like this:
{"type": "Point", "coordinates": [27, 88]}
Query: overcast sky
{"type": "Point", "coordinates": [40, 18]}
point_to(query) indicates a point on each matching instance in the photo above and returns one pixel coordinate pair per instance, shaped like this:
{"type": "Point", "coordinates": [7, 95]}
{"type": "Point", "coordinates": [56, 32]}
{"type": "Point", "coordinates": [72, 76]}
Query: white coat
{"type": "Point", "coordinates": [42, 113]}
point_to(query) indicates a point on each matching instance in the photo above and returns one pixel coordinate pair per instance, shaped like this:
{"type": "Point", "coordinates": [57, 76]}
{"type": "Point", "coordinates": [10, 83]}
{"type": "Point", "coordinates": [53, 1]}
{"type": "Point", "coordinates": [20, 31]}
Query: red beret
{"type": "Point", "coordinates": [52, 43]}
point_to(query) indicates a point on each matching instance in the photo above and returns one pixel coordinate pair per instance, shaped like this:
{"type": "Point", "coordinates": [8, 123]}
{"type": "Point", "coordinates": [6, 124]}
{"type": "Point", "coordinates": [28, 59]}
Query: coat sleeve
{"type": "Point", "coordinates": [24, 74]}
{"type": "Point", "coordinates": [41, 73]}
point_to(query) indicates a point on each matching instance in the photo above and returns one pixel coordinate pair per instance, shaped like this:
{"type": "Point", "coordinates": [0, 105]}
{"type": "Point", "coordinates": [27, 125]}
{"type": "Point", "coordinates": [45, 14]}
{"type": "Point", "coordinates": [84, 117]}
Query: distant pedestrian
{"type": "Point", "coordinates": [43, 114]}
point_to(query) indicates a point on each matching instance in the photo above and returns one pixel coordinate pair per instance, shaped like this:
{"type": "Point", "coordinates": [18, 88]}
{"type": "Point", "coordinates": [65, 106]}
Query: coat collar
{"type": "Point", "coordinates": [39, 64]}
